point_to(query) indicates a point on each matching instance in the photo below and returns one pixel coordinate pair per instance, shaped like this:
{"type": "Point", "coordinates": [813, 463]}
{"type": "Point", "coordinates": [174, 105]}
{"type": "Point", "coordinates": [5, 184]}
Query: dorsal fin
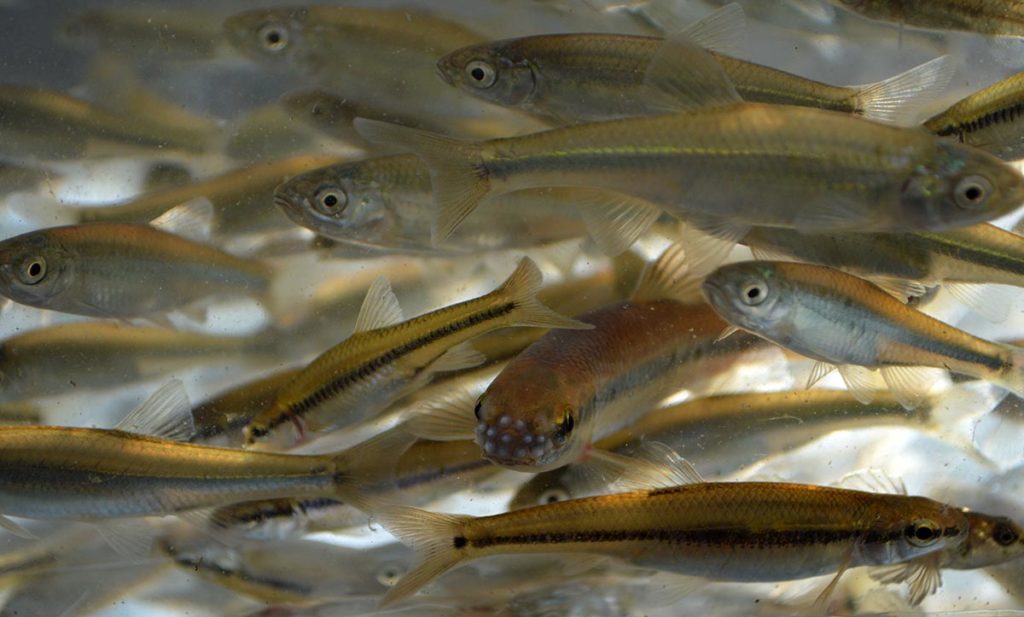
{"type": "Point", "coordinates": [720, 31]}
{"type": "Point", "coordinates": [192, 220]}
{"type": "Point", "coordinates": [166, 414]}
{"type": "Point", "coordinates": [668, 277]}
{"type": "Point", "coordinates": [683, 76]}
{"type": "Point", "coordinates": [872, 480]}
{"type": "Point", "coordinates": [380, 307]}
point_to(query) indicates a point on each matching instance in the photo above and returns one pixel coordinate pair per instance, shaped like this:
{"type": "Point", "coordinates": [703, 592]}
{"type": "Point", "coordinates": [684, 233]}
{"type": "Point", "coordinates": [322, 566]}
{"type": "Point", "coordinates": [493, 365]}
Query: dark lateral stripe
{"type": "Point", "coordinates": [710, 537]}
{"type": "Point", "coordinates": [330, 389]}
{"type": "Point", "coordinates": [999, 116]}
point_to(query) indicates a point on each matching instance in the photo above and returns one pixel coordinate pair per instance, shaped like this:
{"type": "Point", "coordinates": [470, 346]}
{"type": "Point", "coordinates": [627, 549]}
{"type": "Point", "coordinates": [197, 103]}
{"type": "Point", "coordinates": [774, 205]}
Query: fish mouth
{"type": "Point", "coordinates": [443, 74]}
{"type": "Point", "coordinates": [510, 443]}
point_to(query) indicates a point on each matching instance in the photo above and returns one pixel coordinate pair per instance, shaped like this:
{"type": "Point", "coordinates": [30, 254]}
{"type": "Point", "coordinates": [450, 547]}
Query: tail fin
{"type": "Point", "coordinates": [457, 172]}
{"type": "Point", "coordinates": [370, 462]}
{"type": "Point", "coordinates": [1012, 378]}
{"type": "Point", "coordinates": [521, 288]}
{"type": "Point", "coordinates": [889, 100]}
{"type": "Point", "coordinates": [437, 539]}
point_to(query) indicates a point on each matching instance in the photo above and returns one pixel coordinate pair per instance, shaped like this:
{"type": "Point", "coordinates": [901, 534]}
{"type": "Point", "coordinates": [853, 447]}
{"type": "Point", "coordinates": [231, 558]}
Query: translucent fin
{"type": "Point", "coordinates": [818, 372]}
{"type": "Point", "coordinates": [903, 290]}
{"type": "Point", "coordinates": [460, 357]}
{"type": "Point", "coordinates": [668, 277]}
{"type": "Point", "coordinates": [380, 308]}
{"type": "Point", "coordinates": [449, 418]}
{"type": "Point", "coordinates": [896, 99]}
{"type": "Point", "coordinates": [1012, 378]}
{"type": "Point", "coordinates": [615, 221]}
{"type": "Point", "coordinates": [720, 31]}
{"type": "Point", "coordinates": [708, 241]}
{"type": "Point", "coordinates": [668, 588]}
{"type": "Point", "coordinates": [821, 602]}
{"type": "Point", "coordinates": [838, 215]}
{"type": "Point", "coordinates": [130, 538]}
{"type": "Point", "coordinates": [861, 382]}
{"type": "Point", "coordinates": [655, 465]}
{"type": "Point", "coordinates": [761, 253]}
{"type": "Point", "coordinates": [923, 574]}
{"type": "Point", "coordinates": [910, 384]}
{"type": "Point", "coordinates": [726, 333]}
{"type": "Point", "coordinates": [166, 414]}
{"type": "Point", "coordinates": [683, 76]}
{"type": "Point", "coordinates": [521, 288]}
{"type": "Point", "coordinates": [457, 171]}
{"type": "Point", "coordinates": [437, 540]}
{"type": "Point", "coordinates": [16, 529]}
{"type": "Point", "coordinates": [873, 481]}
{"type": "Point", "coordinates": [992, 301]}
{"type": "Point", "coordinates": [192, 219]}
{"type": "Point", "coordinates": [367, 463]}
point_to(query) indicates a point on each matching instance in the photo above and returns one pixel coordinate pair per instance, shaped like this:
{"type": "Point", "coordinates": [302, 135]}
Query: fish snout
{"type": "Point", "coordinates": [512, 443]}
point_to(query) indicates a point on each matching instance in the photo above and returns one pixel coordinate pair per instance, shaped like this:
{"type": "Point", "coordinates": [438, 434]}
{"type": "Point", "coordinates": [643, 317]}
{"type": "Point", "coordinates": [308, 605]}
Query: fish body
{"type": "Point", "coordinates": [372, 368]}
{"type": "Point", "coordinates": [592, 77]}
{"type": "Point", "coordinates": [387, 203]}
{"type": "Point", "coordinates": [994, 17]}
{"type": "Point", "coordinates": [120, 270]}
{"type": "Point", "coordinates": [748, 163]}
{"type": "Point", "coordinates": [989, 119]}
{"type": "Point", "coordinates": [840, 319]}
{"type": "Point", "coordinates": [740, 531]}
{"type": "Point", "coordinates": [220, 420]}
{"type": "Point", "coordinates": [96, 355]}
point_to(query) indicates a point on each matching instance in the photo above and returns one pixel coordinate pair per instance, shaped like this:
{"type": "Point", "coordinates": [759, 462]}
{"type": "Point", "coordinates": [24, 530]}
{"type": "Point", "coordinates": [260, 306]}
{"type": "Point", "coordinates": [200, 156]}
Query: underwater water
{"type": "Point", "coordinates": [719, 290]}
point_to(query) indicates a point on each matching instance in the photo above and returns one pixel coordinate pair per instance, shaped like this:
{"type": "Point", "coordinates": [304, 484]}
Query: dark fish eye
{"type": "Point", "coordinates": [479, 407]}
{"type": "Point", "coordinates": [972, 192]}
{"type": "Point", "coordinates": [274, 37]}
{"type": "Point", "coordinates": [32, 270]}
{"type": "Point", "coordinates": [753, 294]}
{"type": "Point", "coordinates": [330, 200]}
{"type": "Point", "coordinates": [565, 426]}
{"type": "Point", "coordinates": [1004, 534]}
{"type": "Point", "coordinates": [552, 495]}
{"type": "Point", "coordinates": [389, 576]}
{"type": "Point", "coordinates": [922, 533]}
{"type": "Point", "coordinates": [481, 74]}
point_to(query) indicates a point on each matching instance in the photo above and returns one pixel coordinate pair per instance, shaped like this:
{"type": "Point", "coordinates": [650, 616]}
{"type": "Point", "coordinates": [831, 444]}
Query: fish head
{"type": "Point", "coordinates": [958, 187]}
{"type": "Point", "coordinates": [269, 35]}
{"type": "Point", "coordinates": [528, 421]}
{"type": "Point", "coordinates": [991, 540]}
{"type": "Point", "coordinates": [493, 72]}
{"type": "Point", "coordinates": [747, 295]}
{"type": "Point", "coordinates": [34, 268]}
{"type": "Point", "coordinates": [543, 489]}
{"type": "Point", "coordinates": [337, 201]}
{"type": "Point", "coordinates": [904, 528]}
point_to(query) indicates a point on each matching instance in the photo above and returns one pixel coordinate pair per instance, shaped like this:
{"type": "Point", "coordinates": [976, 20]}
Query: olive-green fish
{"type": "Point", "coordinates": [964, 261]}
{"type": "Point", "coordinates": [588, 77]}
{"type": "Point", "coordinates": [120, 270]}
{"type": "Point", "coordinates": [51, 125]}
{"type": "Point", "coordinates": [386, 203]}
{"type": "Point", "coordinates": [994, 17]}
{"type": "Point", "coordinates": [840, 319]}
{"type": "Point", "coordinates": [386, 357]}
{"type": "Point", "coordinates": [219, 420]}
{"type": "Point", "coordinates": [990, 119]}
{"type": "Point", "coordinates": [168, 34]}
{"type": "Point", "coordinates": [242, 199]}
{"type": "Point", "coordinates": [91, 355]}
{"type": "Point", "coordinates": [737, 531]}
{"type": "Point", "coordinates": [52, 472]}
{"type": "Point", "coordinates": [741, 164]}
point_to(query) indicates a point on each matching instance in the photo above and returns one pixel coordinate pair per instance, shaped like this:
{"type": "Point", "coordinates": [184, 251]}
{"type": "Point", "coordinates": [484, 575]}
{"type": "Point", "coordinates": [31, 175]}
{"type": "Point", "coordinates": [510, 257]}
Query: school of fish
{"type": "Point", "coordinates": [560, 308]}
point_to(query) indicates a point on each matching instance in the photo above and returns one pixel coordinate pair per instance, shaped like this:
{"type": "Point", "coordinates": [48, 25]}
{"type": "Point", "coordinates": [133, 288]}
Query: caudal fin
{"type": "Point", "coordinates": [437, 540]}
{"type": "Point", "coordinates": [457, 172]}
{"type": "Point", "coordinates": [896, 99]}
{"type": "Point", "coordinates": [521, 288]}
{"type": "Point", "coordinates": [1012, 377]}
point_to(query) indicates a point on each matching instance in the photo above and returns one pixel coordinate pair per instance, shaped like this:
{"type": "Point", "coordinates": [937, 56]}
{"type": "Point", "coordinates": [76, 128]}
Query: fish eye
{"type": "Point", "coordinates": [274, 37]}
{"type": "Point", "coordinates": [1004, 533]}
{"type": "Point", "coordinates": [923, 532]}
{"type": "Point", "coordinates": [565, 425]}
{"type": "Point", "coordinates": [32, 270]}
{"type": "Point", "coordinates": [753, 294]}
{"type": "Point", "coordinates": [552, 495]}
{"type": "Point", "coordinates": [389, 575]}
{"type": "Point", "coordinates": [972, 192]}
{"type": "Point", "coordinates": [481, 74]}
{"type": "Point", "coordinates": [330, 200]}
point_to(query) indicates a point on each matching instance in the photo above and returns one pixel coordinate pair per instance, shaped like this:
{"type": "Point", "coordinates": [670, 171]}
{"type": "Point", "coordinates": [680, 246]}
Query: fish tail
{"type": "Point", "coordinates": [1012, 377]}
{"type": "Point", "coordinates": [521, 289]}
{"type": "Point", "coordinates": [437, 539]}
{"type": "Point", "coordinates": [889, 100]}
{"type": "Point", "coordinates": [457, 170]}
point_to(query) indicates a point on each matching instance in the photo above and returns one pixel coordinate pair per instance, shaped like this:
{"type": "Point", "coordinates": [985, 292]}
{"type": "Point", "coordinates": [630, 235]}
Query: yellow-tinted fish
{"type": "Point", "coordinates": [840, 319]}
{"type": "Point", "coordinates": [995, 17]}
{"type": "Point", "coordinates": [386, 357]}
{"type": "Point", "coordinates": [989, 119]}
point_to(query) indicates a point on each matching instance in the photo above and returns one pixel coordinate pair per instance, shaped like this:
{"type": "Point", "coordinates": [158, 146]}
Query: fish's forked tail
{"type": "Point", "coordinates": [457, 172]}
{"type": "Point", "coordinates": [437, 539]}
{"type": "Point", "coordinates": [898, 98]}
{"type": "Point", "coordinates": [521, 290]}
